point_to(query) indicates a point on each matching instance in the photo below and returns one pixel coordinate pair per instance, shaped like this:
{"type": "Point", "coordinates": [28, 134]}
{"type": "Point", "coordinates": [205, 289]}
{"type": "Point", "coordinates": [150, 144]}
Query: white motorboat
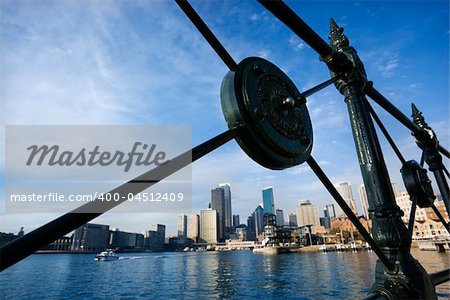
{"type": "Point", "coordinates": [107, 255]}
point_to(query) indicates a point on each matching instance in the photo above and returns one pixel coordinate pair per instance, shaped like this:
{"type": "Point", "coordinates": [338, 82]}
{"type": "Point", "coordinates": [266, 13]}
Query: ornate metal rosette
{"type": "Point", "coordinates": [277, 131]}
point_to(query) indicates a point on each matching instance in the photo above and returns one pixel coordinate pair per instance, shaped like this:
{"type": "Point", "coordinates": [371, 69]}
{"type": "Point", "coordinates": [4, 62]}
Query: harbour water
{"type": "Point", "coordinates": [201, 275]}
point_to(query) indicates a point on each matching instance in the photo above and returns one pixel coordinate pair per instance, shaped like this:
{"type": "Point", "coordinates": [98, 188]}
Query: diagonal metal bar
{"type": "Point", "coordinates": [440, 277]}
{"type": "Point", "coordinates": [386, 133]}
{"type": "Point", "coordinates": [286, 15]}
{"type": "Point", "coordinates": [396, 113]}
{"type": "Point", "coordinates": [332, 190]}
{"type": "Point", "coordinates": [441, 218]}
{"type": "Point", "coordinates": [207, 33]}
{"type": "Point", "coordinates": [446, 172]}
{"type": "Point", "coordinates": [412, 216]}
{"type": "Point", "coordinates": [321, 86]}
{"type": "Point", "coordinates": [22, 247]}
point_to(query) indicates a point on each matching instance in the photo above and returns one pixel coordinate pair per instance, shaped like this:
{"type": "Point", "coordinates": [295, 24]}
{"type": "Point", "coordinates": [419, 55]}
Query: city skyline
{"type": "Point", "coordinates": [38, 92]}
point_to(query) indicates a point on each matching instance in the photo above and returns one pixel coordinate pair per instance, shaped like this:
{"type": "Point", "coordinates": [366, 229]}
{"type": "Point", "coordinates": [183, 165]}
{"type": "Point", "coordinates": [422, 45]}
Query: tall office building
{"type": "Point", "coordinates": [268, 200]}
{"type": "Point", "coordinates": [307, 214]}
{"type": "Point", "coordinates": [345, 190]}
{"type": "Point", "coordinates": [193, 227]}
{"type": "Point", "coordinates": [251, 235]}
{"type": "Point", "coordinates": [221, 202]}
{"type": "Point", "coordinates": [329, 211]}
{"type": "Point", "coordinates": [227, 207]}
{"type": "Point", "coordinates": [218, 204]}
{"type": "Point", "coordinates": [292, 219]}
{"type": "Point", "coordinates": [182, 227]}
{"type": "Point", "coordinates": [280, 217]}
{"type": "Point", "coordinates": [258, 216]}
{"type": "Point", "coordinates": [91, 237]}
{"type": "Point", "coordinates": [236, 221]}
{"type": "Point", "coordinates": [209, 221]}
{"type": "Point", "coordinates": [365, 200]}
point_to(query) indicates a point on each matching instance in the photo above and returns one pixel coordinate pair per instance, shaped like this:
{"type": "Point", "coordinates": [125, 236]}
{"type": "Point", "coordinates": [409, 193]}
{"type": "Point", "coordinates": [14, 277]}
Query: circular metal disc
{"type": "Point", "coordinates": [277, 131]}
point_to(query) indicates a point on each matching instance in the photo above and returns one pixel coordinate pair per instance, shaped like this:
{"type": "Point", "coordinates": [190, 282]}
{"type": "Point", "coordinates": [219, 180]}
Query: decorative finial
{"type": "Point", "coordinates": [337, 37]}
{"type": "Point", "coordinates": [418, 118]}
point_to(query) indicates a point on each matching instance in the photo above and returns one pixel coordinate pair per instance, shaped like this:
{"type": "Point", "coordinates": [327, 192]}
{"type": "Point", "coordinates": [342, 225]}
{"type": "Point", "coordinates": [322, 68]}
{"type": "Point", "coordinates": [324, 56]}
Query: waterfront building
{"type": "Point", "coordinates": [307, 214]}
{"type": "Point", "coordinates": [268, 200]}
{"type": "Point", "coordinates": [209, 226]}
{"type": "Point", "coordinates": [292, 219]}
{"type": "Point", "coordinates": [241, 232]}
{"type": "Point", "coordinates": [155, 237]}
{"type": "Point", "coordinates": [236, 221]}
{"type": "Point", "coordinates": [193, 227]}
{"type": "Point", "coordinates": [345, 190]}
{"type": "Point", "coordinates": [91, 237]}
{"type": "Point", "coordinates": [182, 228]}
{"type": "Point", "coordinates": [426, 224]}
{"type": "Point", "coordinates": [62, 244]}
{"type": "Point", "coordinates": [126, 240]}
{"type": "Point", "coordinates": [280, 217]}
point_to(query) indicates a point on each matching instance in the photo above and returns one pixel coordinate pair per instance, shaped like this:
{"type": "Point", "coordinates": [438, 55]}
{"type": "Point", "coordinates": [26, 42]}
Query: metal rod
{"type": "Point", "coordinates": [441, 218]}
{"type": "Point", "coordinates": [440, 277]}
{"type": "Point", "coordinates": [20, 248]}
{"type": "Point", "coordinates": [286, 15]}
{"type": "Point", "coordinates": [443, 188]}
{"type": "Point", "coordinates": [446, 172]}
{"type": "Point", "coordinates": [422, 158]}
{"type": "Point", "coordinates": [321, 86]}
{"type": "Point", "coordinates": [332, 190]}
{"type": "Point", "coordinates": [207, 33]}
{"type": "Point", "coordinates": [386, 134]}
{"type": "Point", "coordinates": [396, 113]}
{"type": "Point", "coordinates": [412, 216]}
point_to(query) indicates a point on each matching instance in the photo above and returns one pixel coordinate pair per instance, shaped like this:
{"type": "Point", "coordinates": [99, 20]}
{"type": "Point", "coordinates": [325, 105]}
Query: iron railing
{"type": "Point", "coordinates": [398, 274]}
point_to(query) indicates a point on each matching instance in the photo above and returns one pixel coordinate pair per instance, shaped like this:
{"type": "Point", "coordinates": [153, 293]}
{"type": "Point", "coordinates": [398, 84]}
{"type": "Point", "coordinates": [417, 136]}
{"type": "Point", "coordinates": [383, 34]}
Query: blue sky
{"type": "Point", "coordinates": [143, 62]}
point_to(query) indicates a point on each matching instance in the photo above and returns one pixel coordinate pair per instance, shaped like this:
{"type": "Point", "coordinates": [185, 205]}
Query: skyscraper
{"type": "Point", "coordinates": [221, 201]}
{"type": "Point", "coordinates": [280, 217]}
{"type": "Point", "coordinates": [258, 216]}
{"type": "Point", "coordinates": [345, 190]}
{"type": "Point", "coordinates": [218, 204]}
{"type": "Point", "coordinates": [227, 207]}
{"type": "Point", "coordinates": [329, 211]}
{"type": "Point", "coordinates": [236, 221]}
{"type": "Point", "coordinates": [182, 227]}
{"type": "Point", "coordinates": [268, 200]}
{"type": "Point", "coordinates": [209, 221]}
{"type": "Point", "coordinates": [307, 214]}
{"type": "Point", "coordinates": [193, 227]}
{"type": "Point", "coordinates": [251, 227]}
{"type": "Point", "coordinates": [364, 200]}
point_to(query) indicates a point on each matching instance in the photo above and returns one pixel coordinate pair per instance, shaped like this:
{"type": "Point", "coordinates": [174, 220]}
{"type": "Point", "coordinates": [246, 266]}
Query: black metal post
{"type": "Point", "coordinates": [388, 229]}
{"type": "Point", "coordinates": [427, 140]}
{"type": "Point", "coordinates": [22, 247]}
